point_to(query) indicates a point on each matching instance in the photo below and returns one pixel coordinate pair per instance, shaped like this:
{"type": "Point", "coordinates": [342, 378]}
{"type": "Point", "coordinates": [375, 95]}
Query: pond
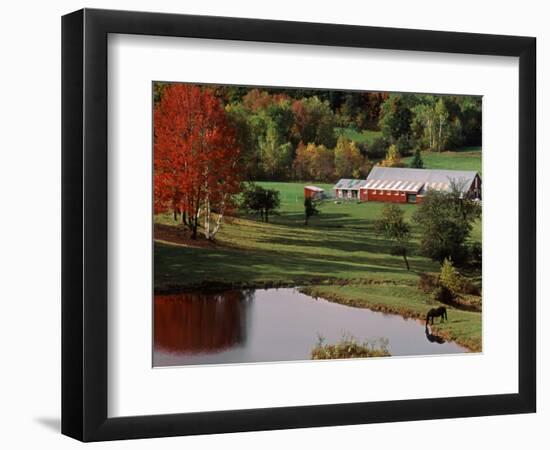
{"type": "Point", "coordinates": [262, 325]}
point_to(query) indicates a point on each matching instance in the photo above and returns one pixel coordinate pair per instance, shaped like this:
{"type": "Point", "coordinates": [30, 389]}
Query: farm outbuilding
{"type": "Point", "coordinates": [314, 192]}
{"type": "Point", "coordinates": [403, 185]}
{"type": "Point", "coordinates": [348, 189]}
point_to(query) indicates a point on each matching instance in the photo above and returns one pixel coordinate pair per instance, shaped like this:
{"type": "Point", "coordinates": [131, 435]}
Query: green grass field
{"type": "Point", "coordinates": [337, 256]}
{"type": "Point", "coordinates": [367, 136]}
{"type": "Point", "coordinates": [338, 244]}
{"type": "Point", "coordinates": [346, 214]}
{"type": "Point", "coordinates": [467, 158]}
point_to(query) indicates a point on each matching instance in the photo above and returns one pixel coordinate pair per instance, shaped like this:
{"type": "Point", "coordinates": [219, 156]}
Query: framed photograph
{"type": "Point", "coordinates": [273, 224]}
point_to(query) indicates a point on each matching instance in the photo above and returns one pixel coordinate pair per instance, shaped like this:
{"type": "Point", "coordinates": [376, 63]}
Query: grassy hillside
{"type": "Point", "coordinates": [367, 136]}
{"type": "Point", "coordinates": [338, 244]}
{"type": "Point", "coordinates": [467, 158]}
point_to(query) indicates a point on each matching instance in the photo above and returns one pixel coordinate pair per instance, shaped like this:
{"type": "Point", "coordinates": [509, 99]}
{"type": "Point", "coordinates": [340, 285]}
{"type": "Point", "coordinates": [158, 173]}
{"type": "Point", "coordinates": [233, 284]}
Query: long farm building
{"type": "Point", "coordinates": [403, 185]}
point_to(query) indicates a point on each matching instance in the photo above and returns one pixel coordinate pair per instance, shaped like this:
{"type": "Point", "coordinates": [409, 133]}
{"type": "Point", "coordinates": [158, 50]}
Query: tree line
{"type": "Point", "coordinates": [296, 134]}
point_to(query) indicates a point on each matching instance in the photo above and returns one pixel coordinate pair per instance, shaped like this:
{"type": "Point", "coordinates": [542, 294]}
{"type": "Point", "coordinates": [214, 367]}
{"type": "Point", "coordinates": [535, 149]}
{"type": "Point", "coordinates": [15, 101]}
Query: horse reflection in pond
{"type": "Point", "coordinates": [432, 337]}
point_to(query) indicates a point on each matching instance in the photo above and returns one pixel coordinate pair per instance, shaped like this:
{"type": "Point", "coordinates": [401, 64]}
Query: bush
{"type": "Point", "coordinates": [349, 347]}
{"type": "Point", "coordinates": [470, 288]}
{"type": "Point", "coordinates": [449, 277]}
{"type": "Point", "coordinates": [443, 294]}
{"type": "Point", "coordinates": [428, 282]}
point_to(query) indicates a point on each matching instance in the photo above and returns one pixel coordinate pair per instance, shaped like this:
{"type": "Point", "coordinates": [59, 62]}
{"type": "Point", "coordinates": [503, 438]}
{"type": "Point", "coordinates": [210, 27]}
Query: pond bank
{"type": "Point", "coordinates": [463, 327]}
{"type": "Point", "coordinates": [217, 285]}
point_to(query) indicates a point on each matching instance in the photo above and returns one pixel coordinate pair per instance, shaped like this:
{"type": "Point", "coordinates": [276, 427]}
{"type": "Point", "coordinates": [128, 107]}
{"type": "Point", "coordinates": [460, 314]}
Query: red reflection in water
{"type": "Point", "coordinates": [196, 322]}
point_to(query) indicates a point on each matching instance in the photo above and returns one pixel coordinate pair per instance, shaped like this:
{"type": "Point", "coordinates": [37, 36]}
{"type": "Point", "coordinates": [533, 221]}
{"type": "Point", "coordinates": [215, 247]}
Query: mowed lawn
{"type": "Point", "coordinates": [363, 136]}
{"type": "Point", "coordinates": [340, 243]}
{"type": "Point", "coordinates": [337, 255]}
{"type": "Point", "coordinates": [466, 158]}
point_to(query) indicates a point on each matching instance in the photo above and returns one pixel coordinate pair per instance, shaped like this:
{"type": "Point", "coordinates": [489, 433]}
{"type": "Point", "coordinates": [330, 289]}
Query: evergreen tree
{"type": "Point", "coordinates": [417, 162]}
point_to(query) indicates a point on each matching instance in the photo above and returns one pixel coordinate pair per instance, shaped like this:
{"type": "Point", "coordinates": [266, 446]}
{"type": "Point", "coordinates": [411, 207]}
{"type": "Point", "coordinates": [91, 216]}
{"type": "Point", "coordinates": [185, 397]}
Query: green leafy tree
{"type": "Point", "coordinates": [275, 154]}
{"type": "Point", "coordinates": [392, 226]}
{"type": "Point", "coordinates": [240, 120]}
{"type": "Point", "coordinates": [310, 209]}
{"type": "Point", "coordinates": [437, 122]}
{"type": "Point", "coordinates": [446, 219]}
{"type": "Point", "coordinates": [442, 116]}
{"type": "Point", "coordinates": [257, 199]}
{"type": "Point", "coordinates": [251, 198]}
{"type": "Point", "coordinates": [424, 122]}
{"type": "Point", "coordinates": [271, 202]}
{"type": "Point", "coordinates": [417, 162]}
{"type": "Point", "coordinates": [470, 119]}
{"type": "Point", "coordinates": [395, 118]}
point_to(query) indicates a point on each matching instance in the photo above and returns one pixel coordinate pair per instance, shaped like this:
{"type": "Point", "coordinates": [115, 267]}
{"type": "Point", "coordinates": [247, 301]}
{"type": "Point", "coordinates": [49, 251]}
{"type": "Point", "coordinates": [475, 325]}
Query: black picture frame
{"type": "Point", "coordinates": [84, 224]}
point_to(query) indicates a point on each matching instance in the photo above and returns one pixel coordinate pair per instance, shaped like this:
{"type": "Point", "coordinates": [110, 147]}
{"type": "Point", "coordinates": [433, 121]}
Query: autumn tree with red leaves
{"type": "Point", "coordinates": [196, 158]}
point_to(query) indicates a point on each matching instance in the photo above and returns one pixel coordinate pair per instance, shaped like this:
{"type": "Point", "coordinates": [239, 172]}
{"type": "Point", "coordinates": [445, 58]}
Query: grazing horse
{"type": "Point", "coordinates": [436, 312]}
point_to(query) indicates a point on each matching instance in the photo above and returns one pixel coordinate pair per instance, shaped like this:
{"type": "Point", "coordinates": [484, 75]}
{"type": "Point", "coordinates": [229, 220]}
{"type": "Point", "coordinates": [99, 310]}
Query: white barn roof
{"type": "Point", "coordinates": [314, 188]}
{"type": "Point", "coordinates": [417, 180]}
{"type": "Point", "coordinates": [350, 184]}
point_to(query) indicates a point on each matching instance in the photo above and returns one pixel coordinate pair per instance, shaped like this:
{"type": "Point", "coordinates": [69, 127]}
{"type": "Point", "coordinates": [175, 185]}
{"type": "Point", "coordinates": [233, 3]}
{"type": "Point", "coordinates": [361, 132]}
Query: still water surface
{"type": "Point", "coordinates": [263, 325]}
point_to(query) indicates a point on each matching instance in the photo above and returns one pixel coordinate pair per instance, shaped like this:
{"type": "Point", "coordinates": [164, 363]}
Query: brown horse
{"type": "Point", "coordinates": [436, 312]}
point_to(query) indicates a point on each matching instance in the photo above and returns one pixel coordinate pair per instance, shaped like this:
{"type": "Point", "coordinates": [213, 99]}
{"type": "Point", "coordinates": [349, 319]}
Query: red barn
{"type": "Point", "coordinates": [403, 185]}
{"type": "Point", "coordinates": [313, 192]}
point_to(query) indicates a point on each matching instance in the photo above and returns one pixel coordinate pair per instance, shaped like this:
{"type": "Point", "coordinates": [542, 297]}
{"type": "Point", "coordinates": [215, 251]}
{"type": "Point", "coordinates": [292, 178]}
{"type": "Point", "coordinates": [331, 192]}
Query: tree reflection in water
{"type": "Point", "coordinates": [196, 322]}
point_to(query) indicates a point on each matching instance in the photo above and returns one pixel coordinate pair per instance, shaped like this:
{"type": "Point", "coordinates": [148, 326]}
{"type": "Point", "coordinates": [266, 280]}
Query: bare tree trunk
{"type": "Point", "coordinates": [207, 219]}
{"type": "Point", "coordinates": [218, 222]}
{"type": "Point", "coordinates": [440, 133]}
{"type": "Point", "coordinates": [406, 261]}
{"type": "Point", "coordinates": [195, 222]}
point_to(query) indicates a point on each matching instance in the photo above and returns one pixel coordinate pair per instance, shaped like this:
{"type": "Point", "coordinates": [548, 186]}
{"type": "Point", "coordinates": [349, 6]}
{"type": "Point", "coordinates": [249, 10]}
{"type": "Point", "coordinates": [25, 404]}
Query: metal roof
{"type": "Point", "coordinates": [417, 180]}
{"type": "Point", "coordinates": [314, 188]}
{"type": "Point", "coordinates": [350, 184]}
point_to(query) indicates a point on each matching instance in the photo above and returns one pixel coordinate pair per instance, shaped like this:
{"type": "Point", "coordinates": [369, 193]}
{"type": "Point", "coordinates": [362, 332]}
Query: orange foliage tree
{"type": "Point", "coordinates": [196, 158]}
{"type": "Point", "coordinates": [313, 162]}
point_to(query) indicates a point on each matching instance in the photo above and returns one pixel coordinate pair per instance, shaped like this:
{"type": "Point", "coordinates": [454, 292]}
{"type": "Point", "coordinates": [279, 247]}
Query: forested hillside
{"type": "Point", "coordinates": [323, 135]}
